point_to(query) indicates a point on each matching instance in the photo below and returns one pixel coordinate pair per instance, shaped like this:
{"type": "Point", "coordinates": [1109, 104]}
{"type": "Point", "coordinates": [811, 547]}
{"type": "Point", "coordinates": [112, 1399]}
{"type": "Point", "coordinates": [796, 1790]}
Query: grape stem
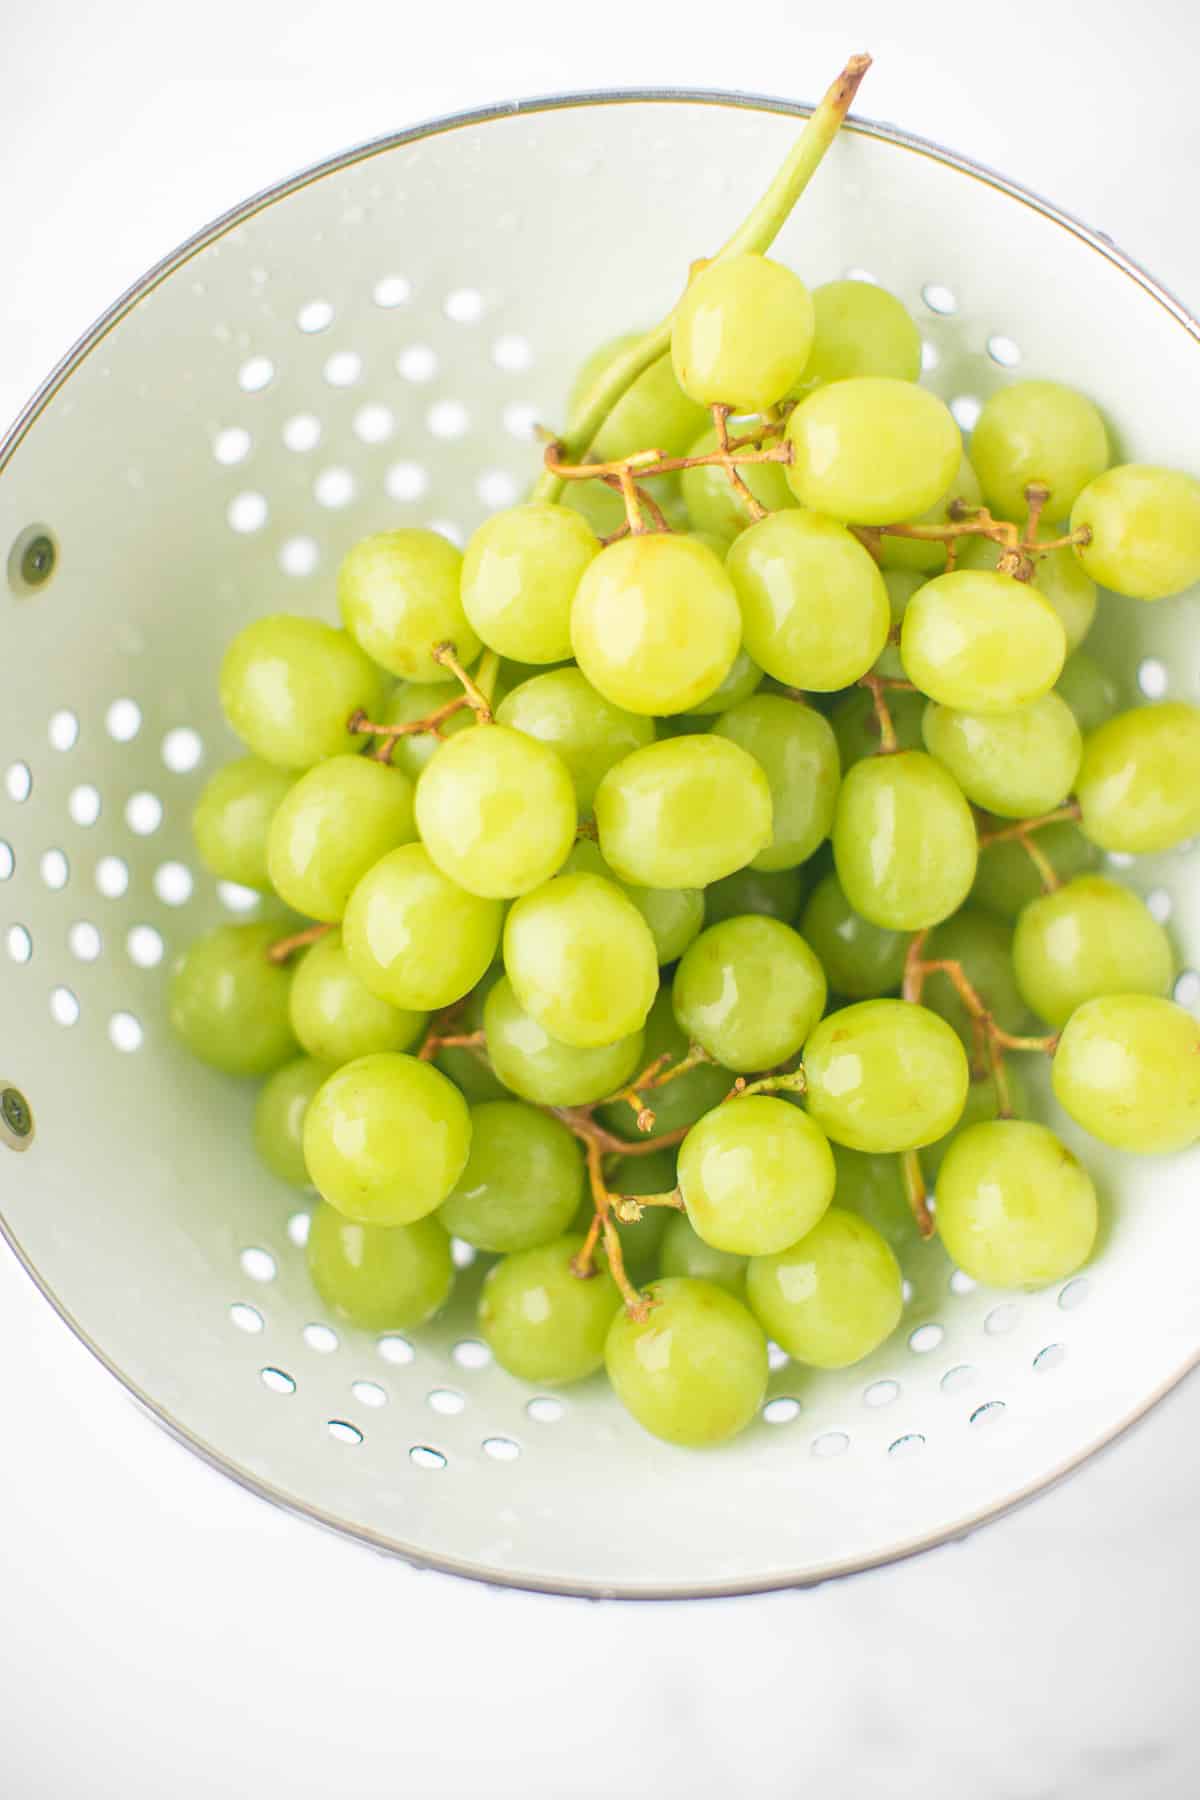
{"type": "Point", "coordinates": [788, 1081]}
{"type": "Point", "coordinates": [359, 725]}
{"type": "Point", "coordinates": [657, 1075]}
{"type": "Point", "coordinates": [285, 947]}
{"type": "Point", "coordinates": [889, 743]}
{"type": "Point", "coordinates": [474, 696]}
{"type": "Point", "coordinates": [629, 1207]}
{"type": "Point", "coordinates": [583, 1265]}
{"type": "Point", "coordinates": [1022, 833]}
{"type": "Point", "coordinates": [918, 1194]}
{"type": "Point", "coordinates": [645, 464]}
{"type": "Point", "coordinates": [753, 505]}
{"type": "Point", "coordinates": [757, 232]}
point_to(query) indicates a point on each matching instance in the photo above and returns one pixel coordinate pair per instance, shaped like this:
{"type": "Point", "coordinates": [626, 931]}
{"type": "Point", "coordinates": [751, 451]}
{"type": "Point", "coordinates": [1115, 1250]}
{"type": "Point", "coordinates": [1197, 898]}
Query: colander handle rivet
{"type": "Point", "coordinates": [16, 1118]}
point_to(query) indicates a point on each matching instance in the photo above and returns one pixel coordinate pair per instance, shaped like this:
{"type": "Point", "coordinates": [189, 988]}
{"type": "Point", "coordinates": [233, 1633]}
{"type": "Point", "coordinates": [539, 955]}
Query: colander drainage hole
{"type": "Point", "coordinates": [446, 1400]}
{"type": "Point", "coordinates": [462, 1254]}
{"type": "Point", "coordinates": [258, 1264]}
{"type": "Point", "coordinates": [1002, 350]}
{"type": "Point", "coordinates": [369, 1393]}
{"type": "Point", "coordinates": [909, 1445]}
{"type": "Point", "coordinates": [464, 306]}
{"type": "Point", "coordinates": [392, 290]}
{"type": "Point", "coordinates": [64, 1007]}
{"type": "Point", "coordinates": [424, 1456]}
{"type": "Point", "coordinates": [989, 1413]}
{"type": "Point", "coordinates": [18, 782]}
{"type": "Point", "coordinates": [182, 749]}
{"type": "Point", "coordinates": [63, 730]}
{"type": "Point", "coordinates": [302, 432]}
{"type": "Point", "coordinates": [1074, 1294]}
{"type": "Point", "coordinates": [344, 1432]}
{"type": "Point", "coordinates": [315, 315]}
{"type": "Point", "coordinates": [143, 813]}
{"type": "Point", "coordinates": [926, 1338]}
{"type": "Point", "coordinates": [298, 1227]}
{"type": "Point", "coordinates": [7, 861]}
{"type": "Point", "coordinates": [501, 1449]}
{"type": "Point", "coordinates": [125, 1032]}
{"type": "Point", "coordinates": [1001, 1319]}
{"type": "Point", "coordinates": [277, 1380]}
{"type": "Point", "coordinates": [321, 1338]}
{"type": "Point", "coordinates": [145, 946]}
{"type": "Point", "coordinates": [781, 1411]}
{"type": "Point", "coordinates": [246, 1318]}
{"type": "Point", "coordinates": [396, 1349]}
{"type": "Point", "coordinates": [123, 720]}
{"type": "Point", "coordinates": [173, 883]}
{"type": "Point", "coordinates": [939, 299]}
{"type": "Point", "coordinates": [83, 804]}
{"type": "Point", "coordinates": [19, 943]}
{"type": "Point", "coordinates": [1052, 1357]}
{"type": "Point", "coordinates": [962, 1376]}
{"type": "Point", "coordinates": [881, 1393]}
{"type": "Point", "coordinates": [544, 1409]}
{"type": "Point", "coordinates": [830, 1443]}
{"type": "Point", "coordinates": [471, 1354]}
{"type": "Point", "coordinates": [406, 481]}
{"type": "Point", "coordinates": [417, 363]}
{"type": "Point", "coordinates": [112, 877]}
{"type": "Point", "coordinates": [512, 353]}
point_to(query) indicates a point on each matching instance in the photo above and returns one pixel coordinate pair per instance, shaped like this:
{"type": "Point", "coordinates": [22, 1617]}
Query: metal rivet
{"type": "Point", "coordinates": [16, 1118]}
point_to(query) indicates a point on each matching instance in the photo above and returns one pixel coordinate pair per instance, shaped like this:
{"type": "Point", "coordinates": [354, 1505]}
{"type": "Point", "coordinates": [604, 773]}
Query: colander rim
{"type": "Point", "coordinates": [36, 405]}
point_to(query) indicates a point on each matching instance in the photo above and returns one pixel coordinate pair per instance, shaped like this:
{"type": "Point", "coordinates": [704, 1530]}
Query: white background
{"type": "Point", "coordinates": [163, 1633]}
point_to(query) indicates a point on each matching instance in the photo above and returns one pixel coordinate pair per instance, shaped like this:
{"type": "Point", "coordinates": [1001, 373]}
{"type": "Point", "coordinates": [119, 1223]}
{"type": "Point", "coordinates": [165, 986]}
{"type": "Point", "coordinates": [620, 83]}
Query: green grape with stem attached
{"type": "Point", "coordinates": [398, 594]}
{"type": "Point", "coordinates": [1139, 781]}
{"type": "Point", "coordinates": [755, 1175]}
{"type": "Point", "coordinates": [749, 991]}
{"type": "Point", "coordinates": [539, 1068]}
{"type": "Point", "coordinates": [674, 915]}
{"type": "Point", "coordinates": [1018, 764]}
{"type": "Point", "coordinates": [279, 1116]}
{"type": "Point", "coordinates": [496, 812]}
{"type": "Point", "coordinates": [983, 946]}
{"type": "Point", "coordinates": [334, 825]}
{"type": "Point", "coordinates": [641, 1239]}
{"type": "Point", "coordinates": [860, 329]}
{"type": "Point", "coordinates": [779, 895]}
{"type": "Point", "coordinates": [798, 753]}
{"type": "Point", "coordinates": [468, 1068]}
{"type": "Point", "coordinates": [652, 413]}
{"type": "Point", "coordinates": [926, 556]}
{"type": "Point", "coordinates": [872, 450]}
{"type": "Point", "coordinates": [229, 1005]}
{"type": "Point", "coordinates": [856, 723]}
{"type": "Point", "coordinates": [563, 710]}
{"type": "Point", "coordinates": [1037, 431]}
{"type": "Point", "coordinates": [1058, 576]}
{"type": "Point", "coordinates": [742, 333]}
{"type": "Point", "coordinates": [677, 1103]}
{"type": "Point", "coordinates": [815, 610]}
{"type": "Point", "coordinates": [1145, 530]}
{"type": "Point", "coordinates": [522, 1180]}
{"type": "Point", "coordinates": [716, 506]}
{"type": "Point", "coordinates": [682, 813]}
{"type": "Point", "coordinates": [1007, 878]}
{"type": "Point", "coordinates": [1092, 694]}
{"type": "Point", "coordinates": [519, 574]}
{"type": "Point", "coordinates": [581, 959]}
{"type": "Point", "coordinates": [904, 841]}
{"type": "Point", "coordinates": [411, 700]}
{"type": "Point", "coordinates": [1127, 1068]}
{"type": "Point", "coordinates": [233, 816]}
{"type": "Point", "coordinates": [1088, 938]}
{"type": "Point", "coordinates": [743, 679]}
{"type": "Point", "coordinates": [861, 960]}
{"type": "Point", "coordinates": [544, 1323]}
{"type": "Point", "coordinates": [655, 625]}
{"type": "Point", "coordinates": [289, 687]}
{"type": "Point", "coordinates": [980, 641]}
{"type": "Point", "coordinates": [694, 1372]}
{"type": "Point", "coordinates": [832, 1298]}
{"type": "Point", "coordinates": [386, 1138]}
{"type": "Point", "coordinates": [885, 1075]}
{"type": "Point", "coordinates": [380, 1277]}
{"type": "Point", "coordinates": [414, 937]}
{"type": "Point", "coordinates": [983, 1103]}
{"type": "Point", "coordinates": [1015, 1208]}
{"type": "Point", "coordinates": [336, 1018]}
{"type": "Point", "coordinates": [685, 1253]}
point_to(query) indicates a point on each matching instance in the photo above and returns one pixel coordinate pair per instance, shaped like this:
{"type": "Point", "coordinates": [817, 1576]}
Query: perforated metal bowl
{"type": "Point", "coordinates": [367, 345]}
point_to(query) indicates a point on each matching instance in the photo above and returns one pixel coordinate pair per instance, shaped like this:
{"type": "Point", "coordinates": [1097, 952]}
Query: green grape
{"type": "Point", "coordinates": [496, 812]}
{"type": "Point", "coordinates": [680, 1102]}
{"type": "Point", "coordinates": [1014, 1207]}
{"type": "Point", "coordinates": [1017, 764]}
{"type": "Point", "coordinates": [798, 754]}
{"type": "Point", "coordinates": [872, 450]}
{"type": "Point", "coordinates": [228, 1004]}
{"type": "Point", "coordinates": [742, 333]}
{"type": "Point", "coordinates": [413, 937]}
{"type": "Point", "coordinates": [1090, 691]}
{"type": "Point", "coordinates": [1127, 1068]}
{"type": "Point", "coordinates": [901, 585]}
{"type": "Point", "coordinates": [653, 413]}
{"type": "Point", "coordinates": [417, 700]}
{"type": "Point", "coordinates": [779, 895]}
{"type": "Point", "coordinates": [289, 687]}
{"type": "Point", "coordinates": [1139, 781]}
{"type": "Point", "coordinates": [832, 1298]}
{"type": "Point", "coordinates": [983, 945]}
{"type": "Point", "coordinates": [749, 991]}
{"type": "Point", "coordinates": [1145, 526]}
{"type": "Point", "coordinates": [872, 1187]}
{"type": "Point", "coordinates": [641, 1239]}
{"type": "Point", "coordinates": [926, 556]}
{"type": "Point", "coordinates": [519, 575]}
{"type": "Point", "coordinates": [685, 1253]}
{"type": "Point", "coordinates": [655, 624]}
{"type": "Point", "coordinates": [715, 506]}
{"type": "Point", "coordinates": [233, 816]}
{"type": "Point", "coordinates": [856, 723]}
{"type": "Point", "coordinates": [755, 1175]}
{"type": "Point", "coordinates": [885, 1075]}
{"type": "Point", "coordinates": [1058, 576]}
{"type": "Point", "coordinates": [590, 734]}
{"type": "Point", "coordinates": [694, 1372]}
{"type": "Point", "coordinates": [860, 329]}
{"type": "Point", "coordinates": [983, 1102]}
{"type": "Point", "coordinates": [336, 1018]}
{"type": "Point", "coordinates": [904, 841]}
{"type": "Point", "coordinates": [398, 594]}
{"type": "Point", "coordinates": [1089, 938]}
{"type": "Point", "coordinates": [683, 813]}
{"type": "Point", "coordinates": [861, 960]}
{"type": "Point", "coordinates": [537, 1067]}
{"type": "Point", "coordinates": [522, 1181]}
{"type": "Point", "coordinates": [815, 609]}
{"type": "Point", "coordinates": [279, 1117]}
{"type": "Point", "coordinates": [1007, 879]}
{"type": "Point", "coordinates": [334, 825]}
{"type": "Point", "coordinates": [544, 1323]}
{"type": "Point", "coordinates": [1037, 431]}
{"type": "Point", "coordinates": [674, 915]}
{"type": "Point", "coordinates": [386, 1138]}
{"type": "Point", "coordinates": [743, 679]}
{"type": "Point", "coordinates": [981, 642]}
{"type": "Point", "coordinates": [468, 1069]}
{"type": "Point", "coordinates": [581, 960]}
{"type": "Point", "coordinates": [380, 1277]}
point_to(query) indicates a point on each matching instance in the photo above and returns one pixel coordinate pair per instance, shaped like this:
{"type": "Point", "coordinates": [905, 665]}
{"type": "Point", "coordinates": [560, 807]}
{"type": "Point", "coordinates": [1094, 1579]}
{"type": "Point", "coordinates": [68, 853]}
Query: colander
{"type": "Point", "coordinates": [370, 344]}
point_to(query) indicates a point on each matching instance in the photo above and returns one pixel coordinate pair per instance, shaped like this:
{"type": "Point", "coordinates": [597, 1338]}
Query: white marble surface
{"type": "Point", "coordinates": [160, 1631]}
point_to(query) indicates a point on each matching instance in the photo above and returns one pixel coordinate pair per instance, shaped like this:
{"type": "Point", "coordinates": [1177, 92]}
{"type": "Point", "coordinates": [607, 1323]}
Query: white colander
{"type": "Point", "coordinates": [368, 345]}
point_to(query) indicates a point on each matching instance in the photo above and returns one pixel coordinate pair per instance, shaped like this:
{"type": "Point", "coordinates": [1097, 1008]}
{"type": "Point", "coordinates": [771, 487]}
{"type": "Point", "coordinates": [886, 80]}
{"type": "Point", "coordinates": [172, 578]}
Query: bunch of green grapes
{"type": "Point", "coordinates": [655, 900]}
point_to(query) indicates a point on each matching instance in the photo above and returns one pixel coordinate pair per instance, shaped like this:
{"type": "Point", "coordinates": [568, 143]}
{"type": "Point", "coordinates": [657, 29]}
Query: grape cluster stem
{"type": "Point", "coordinates": [1022, 833]}
{"type": "Point", "coordinates": [286, 947]}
